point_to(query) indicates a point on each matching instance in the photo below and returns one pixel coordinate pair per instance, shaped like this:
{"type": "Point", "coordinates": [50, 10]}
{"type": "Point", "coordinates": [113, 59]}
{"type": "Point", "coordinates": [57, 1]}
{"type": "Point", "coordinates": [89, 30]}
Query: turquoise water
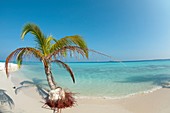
{"type": "Point", "coordinates": [105, 79]}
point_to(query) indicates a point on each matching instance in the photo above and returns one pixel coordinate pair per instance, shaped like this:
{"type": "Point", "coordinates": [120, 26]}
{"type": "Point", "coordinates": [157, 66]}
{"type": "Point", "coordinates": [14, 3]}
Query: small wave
{"type": "Point", "coordinates": [121, 97]}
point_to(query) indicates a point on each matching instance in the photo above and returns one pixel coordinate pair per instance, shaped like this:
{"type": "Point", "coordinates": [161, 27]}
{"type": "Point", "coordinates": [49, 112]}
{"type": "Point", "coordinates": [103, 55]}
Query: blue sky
{"type": "Point", "coordinates": [124, 29]}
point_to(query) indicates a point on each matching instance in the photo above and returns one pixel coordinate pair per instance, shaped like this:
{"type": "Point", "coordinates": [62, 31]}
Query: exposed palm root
{"type": "Point", "coordinates": [68, 101]}
{"type": "Point", "coordinates": [64, 101]}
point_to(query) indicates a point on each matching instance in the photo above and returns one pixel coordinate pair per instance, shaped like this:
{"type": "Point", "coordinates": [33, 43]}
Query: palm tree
{"type": "Point", "coordinates": [50, 50]}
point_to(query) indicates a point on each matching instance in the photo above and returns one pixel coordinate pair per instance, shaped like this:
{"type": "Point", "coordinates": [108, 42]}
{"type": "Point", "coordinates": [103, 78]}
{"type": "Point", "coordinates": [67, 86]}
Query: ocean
{"type": "Point", "coordinates": [104, 79]}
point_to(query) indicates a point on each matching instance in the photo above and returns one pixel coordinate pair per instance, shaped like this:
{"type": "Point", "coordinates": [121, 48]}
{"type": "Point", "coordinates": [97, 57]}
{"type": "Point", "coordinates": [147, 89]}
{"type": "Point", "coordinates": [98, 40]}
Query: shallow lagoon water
{"type": "Point", "coordinates": [105, 79]}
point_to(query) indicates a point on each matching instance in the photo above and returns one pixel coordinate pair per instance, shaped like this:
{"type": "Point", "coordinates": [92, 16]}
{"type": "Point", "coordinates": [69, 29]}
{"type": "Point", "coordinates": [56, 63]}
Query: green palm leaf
{"type": "Point", "coordinates": [70, 41]}
{"type": "Point", "coordinates": [48, 43]}
{"type": "Point", "coordinates": [39, 36]}
{"type": "Point", "coordinates": [68, 49]}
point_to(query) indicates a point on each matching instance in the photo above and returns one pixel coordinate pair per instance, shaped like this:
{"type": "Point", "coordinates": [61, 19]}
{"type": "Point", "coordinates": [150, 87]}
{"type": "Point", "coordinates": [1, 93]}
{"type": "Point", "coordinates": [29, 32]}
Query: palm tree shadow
{"type": "Point", "coordinates": [6, 99]}
{"type": "Point", "coordinates": [40, 85]}
{"type": "Point", "coordinates": [159, 79]}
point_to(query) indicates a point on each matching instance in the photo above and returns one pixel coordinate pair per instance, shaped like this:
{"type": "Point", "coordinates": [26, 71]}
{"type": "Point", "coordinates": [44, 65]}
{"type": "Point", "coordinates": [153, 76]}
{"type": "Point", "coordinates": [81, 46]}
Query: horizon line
{"type": "Point", "coordinates": [142, 60]}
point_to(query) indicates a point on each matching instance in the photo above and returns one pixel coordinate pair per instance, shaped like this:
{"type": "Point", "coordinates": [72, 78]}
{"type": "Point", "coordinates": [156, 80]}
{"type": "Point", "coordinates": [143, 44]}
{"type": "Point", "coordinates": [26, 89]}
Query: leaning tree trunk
{"type": "Point", "coordinates": [57, 98]}
{"type": "Point", "coordinates": [49, 76]}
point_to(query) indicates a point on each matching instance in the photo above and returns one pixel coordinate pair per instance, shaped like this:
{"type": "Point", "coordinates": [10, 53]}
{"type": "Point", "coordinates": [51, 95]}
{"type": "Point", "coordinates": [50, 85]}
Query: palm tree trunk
{"type": "Point", "coordinates": [49, 75]}
{"type": "Point", "coordinates": [57, 99]}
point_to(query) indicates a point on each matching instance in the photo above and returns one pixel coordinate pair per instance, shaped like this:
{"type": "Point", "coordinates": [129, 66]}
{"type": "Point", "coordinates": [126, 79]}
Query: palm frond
{"type": "Point", "coordinates": [66, 67]}
{"type": "Point", "coordinates": [10, 57]}
{"type": "Point", "coordinates": [48, 44]}
{"type": "Point", "coordinates": [20, 57]}
{"type": "Point", "coordinates": [34, 52]}
{"type": "Point", "coordinates": [4, 98]}
{"type": "Point", "coordinates": [39, 36]}
{"type": "Point", "coordinates": [20, 52]}
{"type": "Point", "coordinates": [75, 40]}
{"type": "Point", "coordinates": [67, 49]}
{"type": "Point", "coordinates": [49, 39]}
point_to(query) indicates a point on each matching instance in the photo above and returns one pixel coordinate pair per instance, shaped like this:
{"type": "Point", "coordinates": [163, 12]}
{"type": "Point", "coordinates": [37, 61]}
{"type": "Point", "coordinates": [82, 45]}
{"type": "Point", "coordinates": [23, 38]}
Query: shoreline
{"type": "Point", "coordinates": [120, 97]}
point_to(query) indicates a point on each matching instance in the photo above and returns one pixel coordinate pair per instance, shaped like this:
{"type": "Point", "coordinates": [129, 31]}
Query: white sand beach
{"type": "Point", "coordinates": [28, 101]}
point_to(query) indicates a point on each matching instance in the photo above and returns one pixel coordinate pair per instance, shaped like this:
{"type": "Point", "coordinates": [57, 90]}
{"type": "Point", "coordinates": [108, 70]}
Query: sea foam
{"type": "Point", "coordinates": [120, 97]}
